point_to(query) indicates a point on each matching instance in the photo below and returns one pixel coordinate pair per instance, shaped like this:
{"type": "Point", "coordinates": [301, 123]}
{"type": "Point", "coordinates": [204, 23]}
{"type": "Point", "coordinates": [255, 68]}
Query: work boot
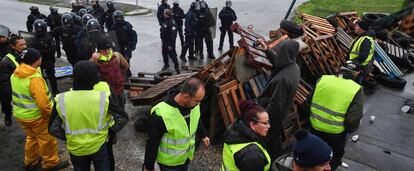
{"type": "Point", "coordinates": [7, 120]}
{"type": "Point", "coordinates": [60, 165]}
{"type": "Point", "coordinates": [165, 67]}
{"type": "Point", "coordinates": [183, 58]}
{"type": "Point", "coordinates": [192, 58]}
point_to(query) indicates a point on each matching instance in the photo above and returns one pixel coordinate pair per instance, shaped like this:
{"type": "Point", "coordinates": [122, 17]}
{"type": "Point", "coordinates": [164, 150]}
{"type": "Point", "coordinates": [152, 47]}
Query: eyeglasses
{"type": "Point", "coordinates": [264, 123]}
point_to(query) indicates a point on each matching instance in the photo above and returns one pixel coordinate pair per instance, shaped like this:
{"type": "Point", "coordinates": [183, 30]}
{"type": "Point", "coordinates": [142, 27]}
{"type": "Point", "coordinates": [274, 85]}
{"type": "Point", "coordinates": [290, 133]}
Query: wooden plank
{"type": "Point", "coordinates": [243, 96]}
{"type": "Point", "coordinates": [228, 85]}
{"type": "Point", "coordinates": [235, 99]}
{"type": "Point", "coordinates": [254, 87]}
{"type": "Point", "coordinates": [276, 42]}
{"type": "Point", "coordinates": [143, 85]}
{"type": "Point", "coordinates": [227, 104]}
{"type": "Point", "coordinates": [223, 110]}
{"type": "Point", "coordinates": [259, 84]}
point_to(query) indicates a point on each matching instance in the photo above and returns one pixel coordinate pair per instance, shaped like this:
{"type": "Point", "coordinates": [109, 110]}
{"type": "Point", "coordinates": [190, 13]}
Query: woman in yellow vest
{"type": "Point", "coordinates": [243, 143]}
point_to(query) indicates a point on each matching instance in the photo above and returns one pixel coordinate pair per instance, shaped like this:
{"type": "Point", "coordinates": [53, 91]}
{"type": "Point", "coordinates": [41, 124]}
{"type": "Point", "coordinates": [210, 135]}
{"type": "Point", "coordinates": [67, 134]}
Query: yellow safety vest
{"type": "Point", "coordinates": [357, 48]}
{"type": "Point", "coordinates": [178, 144]}
{"type": "Point", "coordinates": [330, 102]}
{"type": "Point", "coordinates": [228, 156]}
{"type": "Point", "coordinates": [86, 119]}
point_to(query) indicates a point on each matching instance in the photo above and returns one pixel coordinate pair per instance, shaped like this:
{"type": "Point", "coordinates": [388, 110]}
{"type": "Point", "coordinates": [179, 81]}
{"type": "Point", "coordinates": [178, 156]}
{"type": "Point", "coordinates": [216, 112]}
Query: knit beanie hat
{"type": "Point", "coordinates": [31, 56]}
{"type": "Point", "coordinates": [103, 43]}
{"type": "Point", "coordinates": [310, 150]}
{"type": "Point", "coordinates": [364, 25]}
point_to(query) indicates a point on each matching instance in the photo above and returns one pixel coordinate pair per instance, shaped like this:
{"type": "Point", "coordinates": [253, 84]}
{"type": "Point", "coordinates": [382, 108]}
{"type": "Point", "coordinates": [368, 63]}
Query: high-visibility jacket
{"type": "Point", "coordinates": [330, 102]}
{"type": "Point", "coordinates": [228, 156]}
{"type": "Point", "coordinates": [178, 144]}
{"type": "Point", "coordinates": [357, 48]}
{"type": "Point", "coordinates": [24, 104]}
{"type": "Point", "coordinates": [85, 118]}
{"type": "Point", "coordinates": [13, 59]}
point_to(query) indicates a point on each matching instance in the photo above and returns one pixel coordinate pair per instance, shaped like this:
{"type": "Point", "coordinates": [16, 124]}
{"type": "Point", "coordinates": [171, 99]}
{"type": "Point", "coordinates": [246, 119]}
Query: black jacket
{"type": "Point", "coordinates": [45, 44]}
{"type": "Point", "coordinates": [127, 37]}
{"type": "Point", "coordinates": [107, 19]}
{"type": "Point", "coordinates": [250, 157]}
{"type": "Point", "coordinates": [365, 46]}
{"type": "Point", "coordinates": [168, 32]}
{"type": "Point", "coordinates": [89, 78]}
{"type": "Point", "coordinates": [4, 49]}
{"type": "Point", "coordinates": [277, 96]}
{"type": "Point", "coordinates": [67, 36]}
{"type": "Point", "coordinates": [32, 18]}
{"type": "Point", "coordinates": [54, 20]}
{"type": "Point", "coordinates": [7, 68]}
{"type": "Point", "coordinates": [99, 11]}
{"type": "Point", "coordinates": [157, 129]}
{"type": "Point", "coordinates": [160, 12]}
{"type": "Point", "coordinates": [227, 16]}
{"type": "Point", "coordinates": [178, 16]}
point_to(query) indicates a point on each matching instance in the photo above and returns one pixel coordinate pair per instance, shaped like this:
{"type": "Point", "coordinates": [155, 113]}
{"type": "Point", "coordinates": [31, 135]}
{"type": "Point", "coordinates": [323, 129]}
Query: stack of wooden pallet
{"type": "Point", "coordinates": [317, 26]}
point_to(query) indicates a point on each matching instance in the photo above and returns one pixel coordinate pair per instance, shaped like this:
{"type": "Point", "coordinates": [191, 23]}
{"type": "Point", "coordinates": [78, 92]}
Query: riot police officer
{"type": "Point", "coordinates": [53, 21]}
{"type": "Point", "coordinates": [227, 17]}
{"type": "Point", "coordinates": [82, 12]}
{"type": "Point", "coordinates": [126, 36]}
{"type": "Point", "coordinates": [168, 36]}
{"type": "Point", "coordinates": [67, 33]}
{"type": "Point", "coordinates": [87, 44]}
{"type": "Point", "coordinates": [178, 16]}
{"type": "Point", "coordinates": [160, 11]}
{"type": "Point", "coordinates": [34, 15]}
{"type": "Point", "coordinates": [202, 21]}
{"type": "Point", "coordinates": [77, 20]}
{"type": "Point", "coordinates": [189, 33]}
{"type": "Point", "coordinates": [107, 20]}
{"type": "Point", "coordinates": [76, 6]}
{"type": "Point", "coordinates": [99, 10]}
{"type": "Point", "coordinates": [47, 48]}
{"type": "Point", "coordinates": [4, 41]}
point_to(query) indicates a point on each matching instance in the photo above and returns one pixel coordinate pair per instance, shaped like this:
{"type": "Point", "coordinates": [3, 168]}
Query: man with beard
{"type": "Point", "coordinates": [98, 10]}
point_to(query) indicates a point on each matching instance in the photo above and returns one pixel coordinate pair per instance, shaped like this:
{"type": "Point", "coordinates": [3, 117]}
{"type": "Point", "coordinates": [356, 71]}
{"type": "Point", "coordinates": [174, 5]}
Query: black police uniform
{"type": "Point", "coordinates": [202, 22]}
{"type": "Point", "coordinates": [107, 20]}
{"type": "Point", "coordinates": [99, 11]}
{"type": "Point", "coordinates": [160, 12]}
{"type": "Point", "coordinates": [53, 21]}
{"type": "Point", "coordinates": [227, 16]}
{"type": "Point", "coordinates": [34, 15]}
{"type": "Point", "coordinates": [168, 36]}
{"type": "Point", "coordinates": [189, 37]}
{"type": "Point", "coordinates": [67, 36]}
{"type": "Point", "coordinates": [178, 16]}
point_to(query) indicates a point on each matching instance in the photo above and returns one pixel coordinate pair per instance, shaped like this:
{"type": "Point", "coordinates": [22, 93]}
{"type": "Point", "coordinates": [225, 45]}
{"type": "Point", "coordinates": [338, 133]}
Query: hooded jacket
{"type": "Point", "coordinates": [365, 46]}
{"type": "Point", "coordinates": [37, 88]}
{"type": "Point", "coordinates": [250, 157]}
{"type": "Point", "coordinates": [85, 76]}
{"type": "Point", "coordinates": [277, 96]}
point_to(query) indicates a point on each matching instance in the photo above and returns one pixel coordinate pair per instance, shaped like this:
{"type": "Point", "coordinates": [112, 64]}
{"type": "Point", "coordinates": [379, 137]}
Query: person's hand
{"type": "Point", "coordinates": [263, 44]}
{"type": "Point", "coordinates": [95, 57]}
{"type": "Point", "coordinates": [206, 141]}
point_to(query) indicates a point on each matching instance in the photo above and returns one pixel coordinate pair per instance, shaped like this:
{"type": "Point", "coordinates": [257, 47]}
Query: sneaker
{"type": "Point", "coordinates": [8, 121]}
{"type": "Point", "coordinates": [60, 165]}
{"type": "Point", "coordinates": [165, 67]}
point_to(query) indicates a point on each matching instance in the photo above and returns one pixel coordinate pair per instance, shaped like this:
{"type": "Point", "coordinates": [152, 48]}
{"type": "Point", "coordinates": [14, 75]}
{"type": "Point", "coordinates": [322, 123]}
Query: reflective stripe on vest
{"type": "Point", "coordinates": [357, 48]}
{"type": "Point", "coordinates": [228, 156]}
{"type": "Point", "coordinates": [330, 103]}
{"type": "Point", "coordinates": [85, 119]}
{"type": "Point", "coordinates": [13, 59]}
{"type": "Point", "coordinates": [178, 144]}
{"type": "Point", "coordinates": [24, 105]}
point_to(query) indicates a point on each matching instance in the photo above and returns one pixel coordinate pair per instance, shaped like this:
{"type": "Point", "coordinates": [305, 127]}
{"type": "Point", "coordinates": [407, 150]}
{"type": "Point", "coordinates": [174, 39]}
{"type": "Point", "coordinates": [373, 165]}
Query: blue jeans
{"type": "Point", "coordinates": [183, 167]}
{"type": "Point", "coordinates": [99, 160]}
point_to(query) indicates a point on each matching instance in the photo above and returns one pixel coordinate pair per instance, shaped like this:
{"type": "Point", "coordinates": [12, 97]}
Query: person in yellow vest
{"type": "Point", "coordinates": [173, 126]}
{"type": "Point", "coordinates": [83, 116]}
{"type": "Point", "coordinates": [32, 106]}
{"type": "Point", "coordinates": [336, 109]}
{"type": "Point", "coordinates": [310, 153]}
{"type": "Point", "coordinates": [362, 49]}
{"type": "Point", "coordinates": [7, 66]}
{"type": "Point", "coordinates": [244, 142]}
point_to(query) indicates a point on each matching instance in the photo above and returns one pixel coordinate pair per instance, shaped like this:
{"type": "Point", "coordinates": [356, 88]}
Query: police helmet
{"type": "Point", "coordinates": [53, 9]}
{"type": "Point", "coordinates": [86, 18]}
{"type": "Point", "coordinates": [176, 3]}
{"type": "Point", "coordinates": [40, 26]}
{"type": "Point", "coordinates": [34, 9]}
{"type": "Point", "coordinates": [82, 12]}
{"type": "Point", "coordinates": [93, 26]}
{"type": "Point", "coordinates": [110, 5]}
{"type": "Point", "coordinates": [203, 5]}
{"type": "Point", "coordinates": [90, 10]}
{"type": "Point", "coordinates": [228, 4]}
{"type": "Point", "coordinates": [67, 20]}
{"type": "Point", "coordinates": [195, 6]}
{"type": "Point", "coordinates": [118, 16]}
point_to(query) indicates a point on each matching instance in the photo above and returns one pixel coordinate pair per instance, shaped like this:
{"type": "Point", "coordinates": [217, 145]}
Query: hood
{"type": "Point", "coordinates": [169, 98]}
{"type": "Point", "coordinates": [85, 75]}
{"type": "Point", "coordinates": [286, 53]}
{"type": "Point", "coordinates": [239, 132]}
{"type": "Point", "coordinates": [24, 71]}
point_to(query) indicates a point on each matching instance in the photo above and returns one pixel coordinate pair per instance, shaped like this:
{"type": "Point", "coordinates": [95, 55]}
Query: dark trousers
{"type": "Point", "coordinates": [166, 54]}
{"type": "Point", "coordinates": [181, 35]}
{"type": "Point", "coordinates": [99, 160]}
{"type": "Point", "coordinates": [188, 45]}
{"type": "Point", "coordinates": [183, 167]}
{"type": "Point", "coordinates": [206, 36]}
{"type": "Point", "coordinates": [223, 34]}
{"type": "Point", "coordinates": [127, 55]}
{"type": "Point", "coordinates": [337, 143]}
{"type": "Point", "coordinates": [109, 144]}
{"type": "Point", "coordinates": [49, 67]}
{"type": "Point", "coordinates": [6, 106]}
{"type": "Point", "coordinates": [273, 141]}
{"type": "Point", "coordinates": [72, 56]}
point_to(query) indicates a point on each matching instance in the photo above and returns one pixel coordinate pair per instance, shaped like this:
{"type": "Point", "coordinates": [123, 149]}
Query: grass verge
{"type": "Point", "coordinates": [323, 8]}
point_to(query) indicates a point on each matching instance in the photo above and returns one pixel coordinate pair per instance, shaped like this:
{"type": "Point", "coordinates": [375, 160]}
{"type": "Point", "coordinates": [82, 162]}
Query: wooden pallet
{"type": "Point", "coordinates": [155, 94]}
{"type": "Point", "coordinates": [229, 97]}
